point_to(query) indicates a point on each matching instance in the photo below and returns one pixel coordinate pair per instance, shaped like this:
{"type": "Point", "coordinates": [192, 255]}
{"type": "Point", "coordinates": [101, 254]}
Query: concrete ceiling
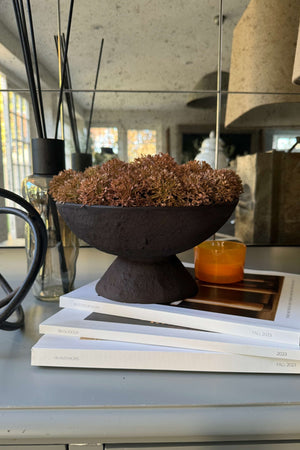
{"type": "Point", "coordinates": [149, 45]}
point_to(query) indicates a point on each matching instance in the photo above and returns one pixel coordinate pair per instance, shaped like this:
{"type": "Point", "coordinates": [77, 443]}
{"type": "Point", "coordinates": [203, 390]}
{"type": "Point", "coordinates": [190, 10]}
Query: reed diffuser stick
{"type": "Point", "coordinates": [70, 99]}
{"type": "Point", "coordinates": [93, 98]}
{"type": "Point", "coordinates": [69, 95]}
{"type": "Point", "coordinates": [64, 67]}
{"type": "Point", "coordinates": [22, 29]}
{"type": "Point", "coordinates": [37, 70]}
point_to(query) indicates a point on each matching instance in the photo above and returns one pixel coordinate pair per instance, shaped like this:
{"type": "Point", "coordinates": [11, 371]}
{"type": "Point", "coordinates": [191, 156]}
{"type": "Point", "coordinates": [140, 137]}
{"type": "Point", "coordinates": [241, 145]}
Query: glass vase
{"type": "Point", "coordinates": [57, 274]}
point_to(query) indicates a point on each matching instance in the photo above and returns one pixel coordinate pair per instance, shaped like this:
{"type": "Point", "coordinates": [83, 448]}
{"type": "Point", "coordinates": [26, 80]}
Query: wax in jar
{"type": "Point", "coordinates": [220, 261]}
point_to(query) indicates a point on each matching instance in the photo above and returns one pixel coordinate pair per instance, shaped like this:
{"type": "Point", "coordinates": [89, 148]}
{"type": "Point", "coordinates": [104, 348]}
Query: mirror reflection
{"type": "Point", "coordinates": [159, 91]}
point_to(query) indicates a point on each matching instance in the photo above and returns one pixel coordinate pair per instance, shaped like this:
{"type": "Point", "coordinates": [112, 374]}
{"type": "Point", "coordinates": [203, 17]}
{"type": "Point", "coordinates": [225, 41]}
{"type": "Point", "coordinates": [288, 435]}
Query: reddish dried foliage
{"type": "Point", "coordinates": [148, 181]}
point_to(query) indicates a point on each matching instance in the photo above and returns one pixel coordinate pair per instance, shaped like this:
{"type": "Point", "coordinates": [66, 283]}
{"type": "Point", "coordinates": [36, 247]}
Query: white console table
{"type": "Point", "coordinates": [55, 408]}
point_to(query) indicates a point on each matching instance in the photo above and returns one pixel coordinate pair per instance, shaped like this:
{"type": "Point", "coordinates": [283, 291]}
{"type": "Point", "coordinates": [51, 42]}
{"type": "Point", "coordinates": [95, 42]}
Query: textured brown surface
{"type": "Point", "coordinates": [139, 282]}
{"type": "Point", "coordinates": [146, 239]}
{"type": "Point", "coordinates": [147, 232]}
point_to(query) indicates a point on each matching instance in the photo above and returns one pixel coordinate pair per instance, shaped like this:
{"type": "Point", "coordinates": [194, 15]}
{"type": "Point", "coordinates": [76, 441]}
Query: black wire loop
{"type": "Point", "coordinates": [11, 303]}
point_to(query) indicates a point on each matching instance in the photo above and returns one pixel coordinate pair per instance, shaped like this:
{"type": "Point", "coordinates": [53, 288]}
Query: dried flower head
{"type": "Point", "coordinates": [148, 181]}
{"type": "Point", "coordinates": [65, 186]}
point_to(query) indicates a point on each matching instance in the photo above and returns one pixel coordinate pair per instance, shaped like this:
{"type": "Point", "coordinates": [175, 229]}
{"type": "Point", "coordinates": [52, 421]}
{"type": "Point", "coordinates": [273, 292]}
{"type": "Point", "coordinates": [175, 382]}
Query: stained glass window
{"type": "Point", "coordinates": [104, 137]}
{"type": "Point", "coordinates": [14, 145]}
{"type": "Point", "coordinates": [19, 139]}
{"type": "Point", "coordinates": [140, 142]}
{"type": "Point", "coordinates": [3, 117]}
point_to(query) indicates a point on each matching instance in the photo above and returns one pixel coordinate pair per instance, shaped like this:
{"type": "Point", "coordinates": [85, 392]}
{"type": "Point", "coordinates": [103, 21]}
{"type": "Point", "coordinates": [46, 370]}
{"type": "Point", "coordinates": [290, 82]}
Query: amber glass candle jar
{"type": "Point", "coordinates": [220, 261]}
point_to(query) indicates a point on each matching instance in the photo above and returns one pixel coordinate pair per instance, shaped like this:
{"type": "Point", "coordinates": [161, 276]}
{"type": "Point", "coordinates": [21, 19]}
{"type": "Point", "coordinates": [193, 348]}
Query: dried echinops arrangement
{"type": "Point", "coordinates": [147, 181]}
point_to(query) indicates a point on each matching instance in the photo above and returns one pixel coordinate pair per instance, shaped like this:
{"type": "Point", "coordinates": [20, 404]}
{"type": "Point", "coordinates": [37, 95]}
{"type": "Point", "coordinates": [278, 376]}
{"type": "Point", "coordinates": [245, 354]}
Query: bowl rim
{"type": "Point", "coordinates": [160, 208]}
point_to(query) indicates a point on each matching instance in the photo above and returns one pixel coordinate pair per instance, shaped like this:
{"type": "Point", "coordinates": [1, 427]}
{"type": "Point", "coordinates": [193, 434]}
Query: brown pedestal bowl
{"type": "Point", "coordinates": [146, 241]}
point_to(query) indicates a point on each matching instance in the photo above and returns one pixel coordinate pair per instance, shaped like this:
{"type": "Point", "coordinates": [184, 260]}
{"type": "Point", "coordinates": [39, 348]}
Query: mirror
{"type": "Point", "coordinates": [156, 57]}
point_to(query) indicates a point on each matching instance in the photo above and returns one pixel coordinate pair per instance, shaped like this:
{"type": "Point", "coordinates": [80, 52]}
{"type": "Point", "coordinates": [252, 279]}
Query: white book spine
{"type": "Point", "coordinates": [281, 352]}
{"type": "Point", "coordinates": [271, 333]}
{"type": "Point", "coordinates": [160, 360]}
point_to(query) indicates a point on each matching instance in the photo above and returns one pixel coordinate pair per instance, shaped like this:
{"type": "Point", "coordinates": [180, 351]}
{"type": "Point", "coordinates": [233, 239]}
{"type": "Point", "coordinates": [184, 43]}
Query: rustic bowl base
{"type": "Point", "coordinates": [162, 281]}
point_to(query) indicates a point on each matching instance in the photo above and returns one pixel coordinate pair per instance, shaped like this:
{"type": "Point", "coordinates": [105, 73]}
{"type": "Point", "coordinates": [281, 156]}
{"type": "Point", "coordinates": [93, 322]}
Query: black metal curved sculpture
{"type": "Point", "coordinates": [12, 301]}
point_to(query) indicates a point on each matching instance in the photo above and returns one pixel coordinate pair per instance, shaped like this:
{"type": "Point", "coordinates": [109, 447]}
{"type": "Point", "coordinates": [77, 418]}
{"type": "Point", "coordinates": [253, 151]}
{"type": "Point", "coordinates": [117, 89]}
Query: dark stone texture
{"type": "Point", "coordinates": [146, 240]}
{"type": "Point", "coordinates": [144, 282]}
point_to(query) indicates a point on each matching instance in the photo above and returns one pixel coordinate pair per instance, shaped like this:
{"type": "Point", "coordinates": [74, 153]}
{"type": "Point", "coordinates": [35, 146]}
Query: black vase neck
{"type": "Point", "coordinates": [80, 161]}
{"type": "Point", "coordinates": [48, 156]}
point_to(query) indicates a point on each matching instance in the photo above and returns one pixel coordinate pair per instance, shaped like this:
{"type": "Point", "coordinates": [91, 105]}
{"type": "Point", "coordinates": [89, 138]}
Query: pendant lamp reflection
{"type": "Point", "coordinates": [262, 59]}
{"type": "Point", "coordinates": [209, 83]}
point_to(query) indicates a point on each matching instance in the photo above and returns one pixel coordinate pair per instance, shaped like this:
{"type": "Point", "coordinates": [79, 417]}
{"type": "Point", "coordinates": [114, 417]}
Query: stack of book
{"type": "Point", "coordinates": [251, 326]}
